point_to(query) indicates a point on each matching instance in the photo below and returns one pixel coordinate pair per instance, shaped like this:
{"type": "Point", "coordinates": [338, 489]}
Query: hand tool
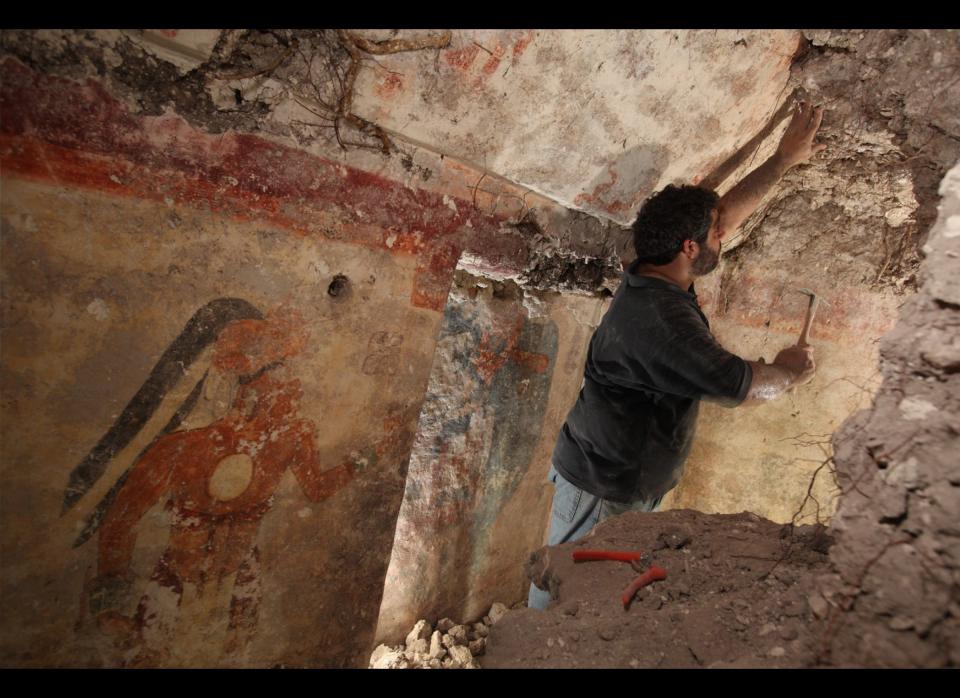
{"type": "Point", "coordinates": [808, 320]}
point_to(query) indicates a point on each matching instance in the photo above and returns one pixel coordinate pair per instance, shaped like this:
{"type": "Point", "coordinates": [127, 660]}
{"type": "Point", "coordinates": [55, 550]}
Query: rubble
{"type": "Point", "coordinates": [450, 645]}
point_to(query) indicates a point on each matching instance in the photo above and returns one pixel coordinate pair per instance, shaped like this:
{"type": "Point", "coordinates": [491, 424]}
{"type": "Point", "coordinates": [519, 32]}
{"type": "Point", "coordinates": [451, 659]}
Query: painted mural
{"type": "Point", "coordinates": [478, 430]}
{"type": "Point", "coordinates": [216, 465]}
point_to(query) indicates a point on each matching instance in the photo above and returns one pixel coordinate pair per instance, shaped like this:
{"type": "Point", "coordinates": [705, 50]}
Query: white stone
{"type": "Point", "coordinates": [444, 624]}
{"type": "Point", "coordinates": [497, 611]}
{"type": "Point", "coordinates": [421, 631]}
{"type": "Point", "coordinates": [481, 630]}
{"type": "Point", "coordinates": [777, 652]}
{"type": "Point", "coordinates": [818, 605]}
{"type": "Point", "coordinates": [384, 657]}
{"type": "Point", "coordinates": [461, 656]}
{"type": "Point", "coordinates": [436, 650]}
{"type": "Point", "coordinates": [459, 634]}
{"type": "Point", "coordinates": [915, 409]}
{"type": "Point", "coordinates": [898, 216]}
{"type": "Point", "coordinates": [420, 646]}
{"type": "Point", "coordinates": [99, 309]}
{"type": "Point", "coordinates": [905, 473]}
{"type": "Point", "coordinates": [952, 227]}
{"type": "Point", "coordinates": [185, 48]}
{"type": "Point", "coordinates": [477, 647]}
{"type": "Point", "coordinates": [767, 629]}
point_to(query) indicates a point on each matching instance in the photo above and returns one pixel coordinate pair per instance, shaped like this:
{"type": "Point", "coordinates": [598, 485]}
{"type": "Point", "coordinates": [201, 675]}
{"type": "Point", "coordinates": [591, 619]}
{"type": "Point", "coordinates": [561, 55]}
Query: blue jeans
{"type": "Point", "coordinates": [575, 512]}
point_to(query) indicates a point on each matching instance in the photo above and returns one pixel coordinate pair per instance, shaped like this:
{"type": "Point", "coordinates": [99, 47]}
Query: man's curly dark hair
{"type": "Point", "coordinates": [669, 217]}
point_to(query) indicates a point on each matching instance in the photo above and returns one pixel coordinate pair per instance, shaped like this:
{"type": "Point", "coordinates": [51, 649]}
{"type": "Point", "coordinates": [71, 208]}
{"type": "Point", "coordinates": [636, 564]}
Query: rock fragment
{"type": "Point", "coordinates": [497, 611]}
{"type": "Point", "coordinates": [385, 657]}
{"type": "Point", "coordinates": [459, 634]}
{"type": "Point", "coordinates": [436, 650]}
{"type": "Point", "coordinates": [421, 631]}
{"type": "Point", "coordinates": [461, 656]}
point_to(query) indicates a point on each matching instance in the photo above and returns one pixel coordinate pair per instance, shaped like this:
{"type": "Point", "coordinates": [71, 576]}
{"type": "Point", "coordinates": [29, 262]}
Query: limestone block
{"type": "Point", "coordinates": [459, 634]}
{"type": "Point", "coordinates": [384, 657]}
{"type": "Point", "coordinates": [436, 650]}
{"type": "Point", "coordinates": [421, 631]}
{"type": "Point", "coordinates": [497, 611]}
{"type": "Point", "coordinates": [461, 656]}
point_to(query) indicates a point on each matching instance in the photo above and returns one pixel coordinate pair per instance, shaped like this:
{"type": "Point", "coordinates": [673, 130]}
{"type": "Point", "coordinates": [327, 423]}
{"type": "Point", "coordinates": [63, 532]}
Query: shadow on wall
{"type": "Point", "coordinates": [629, 180]}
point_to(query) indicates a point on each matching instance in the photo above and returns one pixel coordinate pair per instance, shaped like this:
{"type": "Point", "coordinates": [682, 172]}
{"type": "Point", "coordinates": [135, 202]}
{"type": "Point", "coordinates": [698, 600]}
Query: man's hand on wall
{"type": "Point", "coordinates": [798, 360]}
{"type": "Point", "coordinates": [796, 145]}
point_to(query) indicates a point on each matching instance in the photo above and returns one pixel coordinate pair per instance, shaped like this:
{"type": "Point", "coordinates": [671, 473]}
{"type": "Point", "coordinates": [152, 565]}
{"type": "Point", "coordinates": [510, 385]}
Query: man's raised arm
{"type": "Point", "coordinates": [796, 146]}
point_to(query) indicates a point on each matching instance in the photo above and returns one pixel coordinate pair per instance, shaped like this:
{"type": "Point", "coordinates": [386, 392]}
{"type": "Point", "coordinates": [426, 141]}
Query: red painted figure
{"type": "Point", "coordinates": [220, 480]}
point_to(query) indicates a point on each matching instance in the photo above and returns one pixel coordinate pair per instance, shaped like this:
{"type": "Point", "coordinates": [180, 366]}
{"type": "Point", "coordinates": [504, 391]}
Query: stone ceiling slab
{"type": "Point", "coordinates": [596, 120]}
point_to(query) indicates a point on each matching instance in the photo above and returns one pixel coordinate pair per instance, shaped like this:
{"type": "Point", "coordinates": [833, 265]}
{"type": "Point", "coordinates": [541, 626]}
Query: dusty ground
{"type": "Point", "coordinates": [736, 595]}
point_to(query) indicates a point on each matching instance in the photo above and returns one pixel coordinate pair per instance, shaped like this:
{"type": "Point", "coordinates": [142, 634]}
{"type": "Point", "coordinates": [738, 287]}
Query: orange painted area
{"type": "Point", "coordinates": [521, 45]}
{"type": "Point", "coordinates": [389, 85]}
{"type": "Point", "coordinates": [462, 59]}
{"type": "Point", "coordinates": [531, 361]}
{"type": "Point", "coordinates": [494, 61]}
{"type": "Point", "coordinates": [845, 314]}
{"type": "Point", "coordinates": [245, 345]}
{"type": "Point", "coordinates": [214, 521]}
{"type": "Point", "coordinates": [498, 347]}
{"type": "Point", "coordinates": [433, 278]}
{"type": "Point", "coordinates": [596, 197]}
{"type": "Point", "coordinates": [76, 135]}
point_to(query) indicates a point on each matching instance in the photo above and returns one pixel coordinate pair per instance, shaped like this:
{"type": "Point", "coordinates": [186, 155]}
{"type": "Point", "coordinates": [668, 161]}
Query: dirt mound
{"type": "Point", "coordinates": [738, 592]}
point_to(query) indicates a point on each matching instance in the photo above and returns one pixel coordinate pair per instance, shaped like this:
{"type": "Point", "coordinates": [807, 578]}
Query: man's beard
{"type": "Point", "coordinates": [706, 261]}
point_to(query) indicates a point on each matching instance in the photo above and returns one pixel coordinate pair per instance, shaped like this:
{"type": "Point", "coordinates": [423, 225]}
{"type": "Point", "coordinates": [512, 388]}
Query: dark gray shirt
{"type": "Point", "coordinates": [650, 362]}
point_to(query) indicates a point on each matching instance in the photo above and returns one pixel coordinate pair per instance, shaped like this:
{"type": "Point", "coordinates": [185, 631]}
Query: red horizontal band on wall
{"type": "Point", "coordinates": [77, 135]}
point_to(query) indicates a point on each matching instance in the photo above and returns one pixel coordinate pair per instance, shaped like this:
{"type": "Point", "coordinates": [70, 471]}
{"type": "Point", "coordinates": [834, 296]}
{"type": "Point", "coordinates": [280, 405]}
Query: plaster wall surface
{"type": "Point", "coordinates": [215, 348]}
{"type": "Point", "coordinates": [198, 560]}
{"type": "Point", "coordinates": [507, 365]}
{"type": "Point", "coordinates": [596, 120]}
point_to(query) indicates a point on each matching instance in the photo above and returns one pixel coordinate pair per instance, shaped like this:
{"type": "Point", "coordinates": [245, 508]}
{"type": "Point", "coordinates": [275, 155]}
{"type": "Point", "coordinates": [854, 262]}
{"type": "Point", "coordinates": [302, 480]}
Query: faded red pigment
{"type": "Point", "coordinates": [521, 44]}
{"type": "Point", "coordinates": [70, 134]}
{"type": "Point", "coordinates": [462, 59]}
{"type": "Point", "coordinates": [499, 346]}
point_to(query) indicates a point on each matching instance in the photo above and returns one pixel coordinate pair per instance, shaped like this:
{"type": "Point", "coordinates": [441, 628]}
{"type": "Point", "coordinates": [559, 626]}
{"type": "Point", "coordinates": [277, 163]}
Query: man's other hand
{"type": "Point", "coordinates": [797, 144]}
{"type": "Point", "coordinates": [799, 361]}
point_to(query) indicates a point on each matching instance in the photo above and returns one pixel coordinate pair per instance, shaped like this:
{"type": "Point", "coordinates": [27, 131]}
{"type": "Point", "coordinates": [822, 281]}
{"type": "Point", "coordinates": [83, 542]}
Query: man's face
{"type": "Point", "coordinates": [709, 256]}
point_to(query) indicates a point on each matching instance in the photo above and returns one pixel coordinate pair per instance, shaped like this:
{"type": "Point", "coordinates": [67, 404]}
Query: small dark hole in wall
{"type": "Point", "coordinates": [605, 293]}
{"type": "Point", "coordinates": [339, 286]}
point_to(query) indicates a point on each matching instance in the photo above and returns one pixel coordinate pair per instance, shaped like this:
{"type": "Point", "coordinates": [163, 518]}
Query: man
{"type": "Point", "coordinates": [652, 359]}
